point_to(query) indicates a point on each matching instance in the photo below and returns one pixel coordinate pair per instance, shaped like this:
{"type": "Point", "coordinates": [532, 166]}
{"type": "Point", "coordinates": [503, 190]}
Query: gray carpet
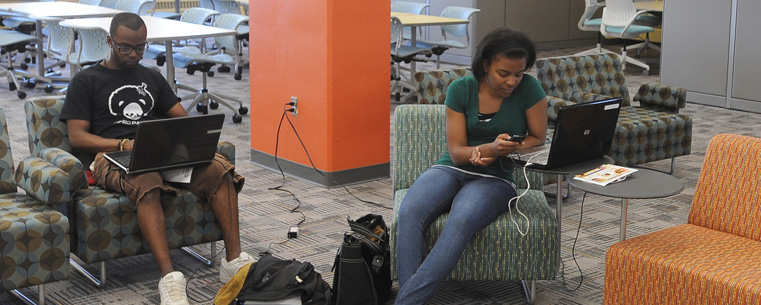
{"type": "Point", "coordinates": [265, 217]}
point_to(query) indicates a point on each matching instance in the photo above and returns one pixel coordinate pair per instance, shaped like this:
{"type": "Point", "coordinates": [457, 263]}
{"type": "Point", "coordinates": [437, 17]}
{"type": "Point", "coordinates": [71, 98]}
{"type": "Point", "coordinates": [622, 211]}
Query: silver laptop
{"type": "Point", "coordinates": [582, 132]}
{"type": "Point", "coordinates": [165, 144]}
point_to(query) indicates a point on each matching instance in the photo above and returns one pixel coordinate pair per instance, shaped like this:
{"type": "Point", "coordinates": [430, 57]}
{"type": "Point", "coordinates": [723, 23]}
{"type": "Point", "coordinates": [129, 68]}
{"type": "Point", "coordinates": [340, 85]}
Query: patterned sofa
{"type": "Point", "coordinates": [653, 131]}
{"type": "Point", "coordinates": [715, 257]}
{"type": "Point", "coordinates": [104, 224]}
{"type": "Point", "coordinates": [497, 252]}
{"type": "Point", "coordinates": [34, 235]}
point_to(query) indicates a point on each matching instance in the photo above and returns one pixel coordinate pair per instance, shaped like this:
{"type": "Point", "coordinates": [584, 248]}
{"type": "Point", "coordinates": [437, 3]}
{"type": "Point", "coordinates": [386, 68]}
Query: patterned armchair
{"type": "Point", "coordinates": [654, 131]}
{"type": "Point", "coordinates": [432, 85]}
{"type": "Point", "coordinates": [34, 235]}
{"type": "Point", "coordinates": [104, 224]}
{"type": "Point", "coordinates": [498, 252]}
{"type": "Point", "coordinates": [714, 258]}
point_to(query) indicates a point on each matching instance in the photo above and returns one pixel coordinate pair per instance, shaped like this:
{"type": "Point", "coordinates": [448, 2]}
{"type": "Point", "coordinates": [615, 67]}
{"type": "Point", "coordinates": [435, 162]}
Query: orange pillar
{"type": "Point", "coordinates": [332, 55]}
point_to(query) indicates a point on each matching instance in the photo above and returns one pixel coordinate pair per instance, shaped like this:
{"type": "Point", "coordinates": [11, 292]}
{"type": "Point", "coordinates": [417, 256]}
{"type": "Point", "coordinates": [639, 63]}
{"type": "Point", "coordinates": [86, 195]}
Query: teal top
{"type": "Point", "coordinates": [462, 96]}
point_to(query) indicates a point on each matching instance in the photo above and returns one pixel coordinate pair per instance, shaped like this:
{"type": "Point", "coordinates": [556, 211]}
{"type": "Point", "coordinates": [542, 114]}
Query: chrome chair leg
{"type": "Point", "coordinates": [26, 300]}
{"type": "Point", "coordinates": [209, 262]}
{"type": "Point", "coordinates": [101, 282]}
{"type": "Point", "coordinates": [98, 282]}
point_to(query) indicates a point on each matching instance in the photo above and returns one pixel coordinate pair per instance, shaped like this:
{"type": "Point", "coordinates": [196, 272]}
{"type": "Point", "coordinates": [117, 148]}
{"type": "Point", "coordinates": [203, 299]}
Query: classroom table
{"type": "Point", "coordinates": [58, 9]}
{"type": "Point", "coordinates": [413, 21]}
{"type": "Point", "coordinates": [160, 29]}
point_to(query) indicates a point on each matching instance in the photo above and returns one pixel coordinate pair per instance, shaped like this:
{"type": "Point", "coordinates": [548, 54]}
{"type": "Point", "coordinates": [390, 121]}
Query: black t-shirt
{"type": "Point", "coordinates": [114, 101]}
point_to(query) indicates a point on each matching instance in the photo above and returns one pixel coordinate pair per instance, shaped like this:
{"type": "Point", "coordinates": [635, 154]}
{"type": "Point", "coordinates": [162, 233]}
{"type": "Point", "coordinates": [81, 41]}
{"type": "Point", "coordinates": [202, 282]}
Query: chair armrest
{"type": "Point", "coordinates": [577, 97]}
{"type": "Point", "coordinates": [68, 163]}
{"type": "Point", "coordinates": [661, 97]}
{"type": "Point", "coordinates": [43, 181]}
{"type": "Point", "coordinates": [227, 150]}
{"type": "Point", "coordinates": [553, 106]}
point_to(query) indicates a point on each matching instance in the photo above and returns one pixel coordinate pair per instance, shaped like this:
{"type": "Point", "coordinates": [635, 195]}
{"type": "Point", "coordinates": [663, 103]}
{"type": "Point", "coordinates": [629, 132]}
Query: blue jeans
{"type": "Point", "coordinates": [472, 202]}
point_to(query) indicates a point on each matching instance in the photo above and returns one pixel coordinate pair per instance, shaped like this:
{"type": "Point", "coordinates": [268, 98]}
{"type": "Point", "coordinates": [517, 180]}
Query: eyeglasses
{"type": "Point", "coordinates": [127, 49]}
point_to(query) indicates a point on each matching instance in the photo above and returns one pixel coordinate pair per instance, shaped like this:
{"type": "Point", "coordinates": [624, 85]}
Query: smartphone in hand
{"type": "Point", "coordinates": [517, 138]}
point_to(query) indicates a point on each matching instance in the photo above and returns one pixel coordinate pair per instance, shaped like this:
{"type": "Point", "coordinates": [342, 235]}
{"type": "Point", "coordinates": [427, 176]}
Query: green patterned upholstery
{"type": "Point", "coordinates": [432, 85]}
{"type": "Point", "coordinates": [654, 131]}
{"type": "Point", "coordinates": [104, 223]}
{"type": "Point", "coordinates": [497, 252]}
{"type": "Point", "coordinates": [34, 237]}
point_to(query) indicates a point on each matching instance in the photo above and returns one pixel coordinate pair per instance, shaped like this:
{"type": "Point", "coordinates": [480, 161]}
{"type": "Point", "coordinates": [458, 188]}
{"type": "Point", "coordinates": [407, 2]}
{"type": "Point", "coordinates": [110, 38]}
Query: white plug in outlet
{"type": "Point", "coordinates": [295, 107]}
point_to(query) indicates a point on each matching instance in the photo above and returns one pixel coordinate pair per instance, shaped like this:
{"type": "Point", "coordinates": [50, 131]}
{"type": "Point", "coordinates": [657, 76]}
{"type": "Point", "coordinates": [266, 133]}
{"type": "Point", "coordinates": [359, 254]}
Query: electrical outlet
{"type": "Point", "coordinates": [295, 107]}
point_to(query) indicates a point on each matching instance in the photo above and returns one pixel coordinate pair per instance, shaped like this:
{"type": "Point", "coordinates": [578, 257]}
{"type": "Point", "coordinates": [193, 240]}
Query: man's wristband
{"type": "Point", "coordinates": [121, 144]}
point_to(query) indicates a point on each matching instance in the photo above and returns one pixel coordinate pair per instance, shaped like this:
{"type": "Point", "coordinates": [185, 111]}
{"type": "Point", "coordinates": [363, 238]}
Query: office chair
{"type": "Point", "coordinates": [90, 2]}
{"type": "Point", "coordinates": [457, 30]}
{"type": "Point", "coordinates": [619, 20]}
{"type": "Point", "coordinates": [234, 7]}
{"type": "Point", "coordinates": [13, 43]}
{"type": "Point", "coordinates": [207, 4]}
{"type": "Point", "coordinates": [133, 6]}
{"type": "Point", "coordinates": [108, 3]}
{"type": "Point", "coordinates": [194, 59]}
{"type": "Point", "coordinates": [93, 47]}
{"type": "Point", "coordinates": [402, 53]}
{"type": "Point", "coordinates": [410, 8]}
{"type": "Point", "coordinates": [58, 47]}
{"type": "Point", "coordinates": [590, 24]}
{"type": "Point", "coordinates": [226, 6]}
{"type": "Point", "coordinates": [150, 9]}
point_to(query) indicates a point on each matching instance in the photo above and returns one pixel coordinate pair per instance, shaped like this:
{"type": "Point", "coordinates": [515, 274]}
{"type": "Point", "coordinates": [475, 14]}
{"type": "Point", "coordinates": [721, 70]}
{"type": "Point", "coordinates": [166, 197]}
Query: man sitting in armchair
{"type": "Point", "coordinates": [103, 105]}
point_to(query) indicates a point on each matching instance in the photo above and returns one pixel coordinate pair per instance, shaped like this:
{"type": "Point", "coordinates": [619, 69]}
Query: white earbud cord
{"type": "Point", "coordinates": [517, 200]}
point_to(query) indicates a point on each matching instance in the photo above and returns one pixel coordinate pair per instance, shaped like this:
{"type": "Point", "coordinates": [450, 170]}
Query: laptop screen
{"type": "Point", "coordinates": [584, 132]}
{"type": "Point", "coordinates": [167, 143]}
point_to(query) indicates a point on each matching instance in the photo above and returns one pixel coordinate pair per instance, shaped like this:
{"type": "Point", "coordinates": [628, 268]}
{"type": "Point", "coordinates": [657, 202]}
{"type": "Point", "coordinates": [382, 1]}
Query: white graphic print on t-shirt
{"type": "Point", "coordinates": [131, 102]}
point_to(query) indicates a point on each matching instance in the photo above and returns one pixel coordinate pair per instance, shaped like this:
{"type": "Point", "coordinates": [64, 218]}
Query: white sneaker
{"type": "Point", "coordinates": [172, 289]}
{"type": "Point", "coordinates": [228, 269]}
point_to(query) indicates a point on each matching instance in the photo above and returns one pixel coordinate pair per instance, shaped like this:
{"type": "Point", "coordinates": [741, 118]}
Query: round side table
{"type": "Point", "coordinates": [642, 184]}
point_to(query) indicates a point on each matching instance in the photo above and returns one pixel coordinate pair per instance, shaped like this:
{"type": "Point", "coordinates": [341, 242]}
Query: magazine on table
{"type": "Point", "coordinates": [605, 174]}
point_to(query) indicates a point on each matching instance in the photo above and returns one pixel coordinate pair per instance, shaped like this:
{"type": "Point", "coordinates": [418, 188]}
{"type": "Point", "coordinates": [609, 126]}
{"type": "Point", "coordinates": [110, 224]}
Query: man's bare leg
{"type": "Point", "coordinates": [225, 208]}
{"type": "Point", "coordinates": [150, 218]}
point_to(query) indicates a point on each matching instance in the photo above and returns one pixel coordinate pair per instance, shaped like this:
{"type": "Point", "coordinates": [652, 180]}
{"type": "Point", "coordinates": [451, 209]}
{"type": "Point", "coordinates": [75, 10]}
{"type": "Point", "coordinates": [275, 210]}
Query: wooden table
{"type": "Point", "coordinates": [160, 29]}
{"type": "Point", "coordinates": [62, 9]}
{"type": "Point", "coordinates": [655, 6]}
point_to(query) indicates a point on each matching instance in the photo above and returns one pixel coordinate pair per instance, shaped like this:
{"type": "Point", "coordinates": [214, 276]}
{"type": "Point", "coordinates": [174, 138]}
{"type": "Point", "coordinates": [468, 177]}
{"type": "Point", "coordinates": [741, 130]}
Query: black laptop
{"type": "Point", "coordinates": [583, 132]}
{"type": "Point", "coordinates": [165, 144]}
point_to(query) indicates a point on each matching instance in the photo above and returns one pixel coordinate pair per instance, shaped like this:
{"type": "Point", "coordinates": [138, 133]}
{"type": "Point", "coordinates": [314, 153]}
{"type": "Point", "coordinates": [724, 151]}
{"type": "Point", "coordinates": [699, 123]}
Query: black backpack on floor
{"type": "Point", "coordinates": [272, 279]}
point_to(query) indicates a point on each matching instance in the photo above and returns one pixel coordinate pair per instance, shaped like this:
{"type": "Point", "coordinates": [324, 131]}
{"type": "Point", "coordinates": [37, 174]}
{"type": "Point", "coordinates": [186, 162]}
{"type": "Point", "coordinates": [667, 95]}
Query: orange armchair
{"type": "Point", "coordinates": [715, 257]}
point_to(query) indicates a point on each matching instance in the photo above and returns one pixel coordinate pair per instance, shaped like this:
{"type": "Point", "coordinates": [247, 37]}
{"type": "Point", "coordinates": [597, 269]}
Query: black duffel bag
{"type": "Point", "coordinates": [363, 263]}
